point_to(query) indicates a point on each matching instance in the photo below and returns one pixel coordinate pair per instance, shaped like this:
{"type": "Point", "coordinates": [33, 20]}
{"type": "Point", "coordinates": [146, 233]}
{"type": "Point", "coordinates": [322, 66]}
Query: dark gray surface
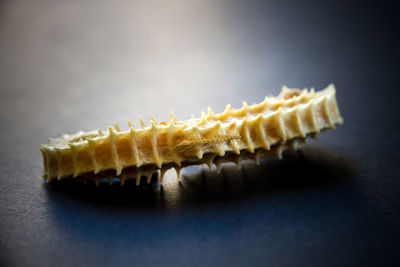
{"type": "Point", "coordinates": [72, 65]}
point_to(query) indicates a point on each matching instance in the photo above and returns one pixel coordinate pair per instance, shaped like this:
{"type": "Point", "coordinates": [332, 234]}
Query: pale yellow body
{"type": "Point", "coordinates": [293, 114]}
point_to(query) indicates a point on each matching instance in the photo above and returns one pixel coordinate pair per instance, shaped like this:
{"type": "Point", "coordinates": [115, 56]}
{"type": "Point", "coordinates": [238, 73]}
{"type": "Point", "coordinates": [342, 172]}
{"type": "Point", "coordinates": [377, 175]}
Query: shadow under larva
{"type": "Point", "coordinates": [298, 169]}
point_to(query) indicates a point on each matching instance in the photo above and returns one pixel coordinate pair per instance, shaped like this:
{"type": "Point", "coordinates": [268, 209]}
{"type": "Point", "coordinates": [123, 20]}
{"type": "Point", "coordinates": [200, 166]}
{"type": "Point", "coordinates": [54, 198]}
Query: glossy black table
{"type": "Point", "coordinates": [81, 65]}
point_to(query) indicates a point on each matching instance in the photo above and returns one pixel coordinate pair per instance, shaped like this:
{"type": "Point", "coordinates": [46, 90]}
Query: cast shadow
{"type": "Point", "coordinates": [298, 171]}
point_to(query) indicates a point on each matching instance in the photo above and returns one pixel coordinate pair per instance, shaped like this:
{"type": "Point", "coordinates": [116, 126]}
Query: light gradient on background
{"type": "Point", "coordinates": [127, 59]}
{"type": "Point", "coordinates": [81, 65]}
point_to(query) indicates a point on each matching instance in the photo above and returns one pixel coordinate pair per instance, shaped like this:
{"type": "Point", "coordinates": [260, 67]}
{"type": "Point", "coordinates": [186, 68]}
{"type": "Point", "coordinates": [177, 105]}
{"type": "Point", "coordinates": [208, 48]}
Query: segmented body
{"type": "Point", "coordinates": [273, 122]}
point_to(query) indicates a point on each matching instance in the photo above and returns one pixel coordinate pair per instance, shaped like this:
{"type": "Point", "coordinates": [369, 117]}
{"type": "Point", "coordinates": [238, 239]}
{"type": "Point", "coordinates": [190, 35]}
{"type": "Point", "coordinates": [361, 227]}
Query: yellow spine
{"type": "Point", "coordinates": [293, 114]}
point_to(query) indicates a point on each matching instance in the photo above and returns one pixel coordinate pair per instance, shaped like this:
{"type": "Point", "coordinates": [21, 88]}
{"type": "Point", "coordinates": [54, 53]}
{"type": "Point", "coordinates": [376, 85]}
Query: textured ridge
{"type": "Point", "coordinates": [270, 124]}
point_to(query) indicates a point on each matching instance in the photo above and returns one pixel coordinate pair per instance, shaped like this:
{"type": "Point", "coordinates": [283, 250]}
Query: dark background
{"type": "Point", "coordinates": [81, 65]}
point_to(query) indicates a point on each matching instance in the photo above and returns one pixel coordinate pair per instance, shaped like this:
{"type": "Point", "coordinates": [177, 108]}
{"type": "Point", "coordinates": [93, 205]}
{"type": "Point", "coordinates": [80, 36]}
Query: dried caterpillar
{"type": "Point", "coordinates": [271, 125]}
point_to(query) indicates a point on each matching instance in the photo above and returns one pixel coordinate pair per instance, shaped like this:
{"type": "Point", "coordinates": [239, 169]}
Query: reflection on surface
{"type": "Point", "coordinates": [297, 170]}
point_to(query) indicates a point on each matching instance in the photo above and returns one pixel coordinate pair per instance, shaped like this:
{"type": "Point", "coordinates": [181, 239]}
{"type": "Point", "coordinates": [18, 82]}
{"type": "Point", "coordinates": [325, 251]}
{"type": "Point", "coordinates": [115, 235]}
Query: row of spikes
{"type": "Point", "coordinates": [153, 122]}
{"type": "Point", "coordinates": [246, 109]}
{"type": "Point", "coordinates": [212, 160]}
{"type": "Point", "coordinates": [248, 141]}
{"type": "Point", "coordinates": [111, 134]}
{"type": "Point", "coordinates": [157, 158]}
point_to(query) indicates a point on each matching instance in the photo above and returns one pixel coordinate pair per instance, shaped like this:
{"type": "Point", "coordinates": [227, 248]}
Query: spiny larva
{"type": "Point", "coordinates": [268, 127]}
